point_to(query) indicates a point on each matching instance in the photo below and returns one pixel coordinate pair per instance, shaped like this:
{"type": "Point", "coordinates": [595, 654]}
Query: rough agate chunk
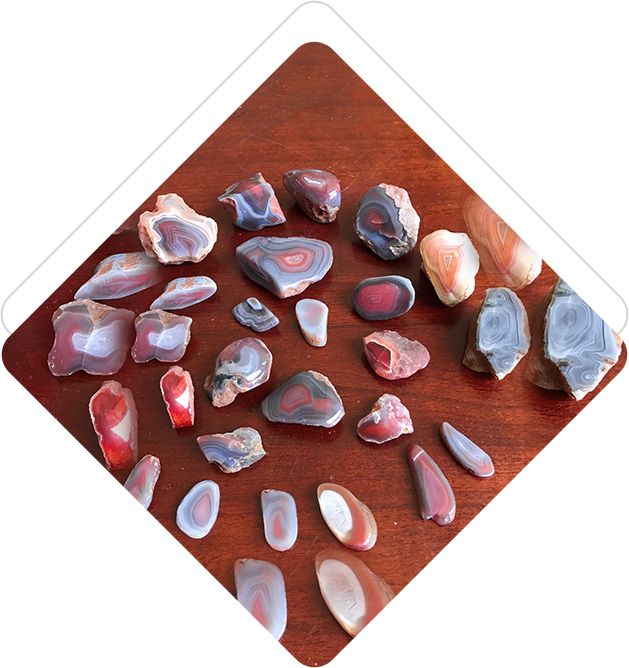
{"type": "Point", "coordinates": [316, 191]}
{"type": "Point", "coordinates": [349, 519]}
{"type": "Point", "coordinates": [260, 590]}
{"type": "Point", "coordinates": [161, 336]}
{"type": "Point", "coordinates": [178, 394]}
{"type": "Point", "coordinates": [234, 450]}
{"type": "Point", "coordinates": [499, 336]}
{"type": "Point", "coordinates": [307, 398]}
{"type": "Point", "coordinates": [198, 510]}
{"type": "Point", "coordinates": [143, 478]}
{"type": "Point", "coordinates": [383, 297]}
{"type": "Point", "coordinates": [254, 314]}
{"type": "Point", "coordinates": [115, 421]}
{"type": "Point", "coordinates": [241, 366]}
{"type": "Point", "coordinates": [175, 233]}
{"type": "Point", "coordinates": [285, 266]}
{"type": "Point", "coordinates": [387, 222]}
{"type": "Point", "coordinates": [503, 255]}
{"type": "Point", "coordinates": [312, 316]}
{"type": "Point", "coordinates": [466, 452]}
{"type": "Point", "coordinates": [451, 263]}
{"type": "Point", "coordinates": [393, 356]}
{"type": "Point", "coordinates": [89, 337]}
{"type": "Point", "coordinates": [252, 204]}
{"type": "Point", "coordinates": [435, 496]}
{"type": "Point", "coordinates": [353, 593]}
{"type": "Point", "coordinates": [279, 515]}
{"type": "Point", "coordinates": [121, 275]}
{"type": "Point", "coordinates": [183, 292]}
{"type": "Point", "coordinates": [388, 419]}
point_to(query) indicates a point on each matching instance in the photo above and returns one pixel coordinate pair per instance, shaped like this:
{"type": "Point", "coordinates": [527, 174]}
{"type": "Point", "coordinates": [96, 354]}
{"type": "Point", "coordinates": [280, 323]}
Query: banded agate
{"type": "Point", "coordinates": [279, 515]}
{"type": "Point", "coordinates": [160, 336]}
{"type": "Point", "coordinates": [383, 297]}
{"type": "Point", "coordinates": [252, 204]}
{"type": "Point", "coordinates": [232, 451]}
{"type": "Point", "coordinates": [388, 419]}
{"type": "Point", "coordinates": [393, 356]}
{"type": "Point", "coordinates": [254, 314]}
{"type": "Point", "coordinates": [312, 316]}
{"type": "Point", "coordinates": [466, 452]}
{"type": "Point", "coordinates": [316, 191]}
{"type": "Point", "coordinates": [198, 510]}
{"type": "Point", "coordinates": [434, 494]}
{"type": "Point", "coordinates": [350, 520]}
{"type": "Point", "coordinates": [183, 292]}
{"type": "Point", "coordinates": [143, 478]}
{"type": "Point", "coordinates": [178, 395]}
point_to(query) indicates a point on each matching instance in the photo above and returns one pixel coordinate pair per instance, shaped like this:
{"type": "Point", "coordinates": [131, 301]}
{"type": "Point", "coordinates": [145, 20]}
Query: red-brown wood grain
{"type": "Point", "coordinates": [314, 112]}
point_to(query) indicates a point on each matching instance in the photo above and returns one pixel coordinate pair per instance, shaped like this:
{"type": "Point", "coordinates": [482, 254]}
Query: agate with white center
{"type": "Point", "coordinates": [185, 291]}
{"type": "Point", "coordinates": [161, 336]}
{"type": "Point", "coordinates": [388, 419]}
{"type": "Point", "coordinates": [383, 297]}
{"type": "Point", "coordinates": [393, 356]}
{"type": "Point", "coordinates": [316, 191]}
{"type": "Point", "coordinates": [233, 451]}
{"type": "Point", "coordinates": [143, 478]}
{"type": "Point", "coordinates": [252, 313]}
{"type": "Point", "coordinates": [312, 316]}
{"type": "Point", "coordinates": [198, 510]}
{"type": "Point", "coordinates": [252, 203]}
{"type": "Point", "coordinates": [279, 515]}
{"type": "Point", "coordinates": [466, 452]}
{"type": "Point", "coordinates": [434, 494]}
{"type": "Point", "coordinates": [349, 519]}
{"type": "Point", "coordinates": [178, 394]}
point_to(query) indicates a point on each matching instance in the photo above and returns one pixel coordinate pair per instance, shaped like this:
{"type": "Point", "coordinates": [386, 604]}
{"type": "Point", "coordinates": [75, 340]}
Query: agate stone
{"type": "Point", "coordinates": [161, 336]}
{"type": "Point", "coordinates": [312, 316]}
{"type": "Point", "coordinates": [183, 292]}
{"type": "Point", "coordinates": [143, 478]}
{"type": "Point", "coordinates": [254, 314]}
{"type": "Point", "coordinates": [279, 515]}
{"type": "Point", "coordinates": [178, 394]}
{"type": "Point", "coordinates": [435, 496]}
{"type": "Point", "coordinates": [387, 419]}
{"type": "Point", "coordinates": [393, 356]}
{"type": "Point", "coordinates": [383, 297]}
{"type": "Point", "coordinates": [252, 203]}
{"type": "Point", "coordinates": [198, 510]}
{"type": "Point", "coordinates": [316, 191]}
{"type": "Point", "coordinates": [349, 519]}
{"type": "Point", "coordinates": [234, 450]}
{"type": "Point", "coordinates": [466, 452]}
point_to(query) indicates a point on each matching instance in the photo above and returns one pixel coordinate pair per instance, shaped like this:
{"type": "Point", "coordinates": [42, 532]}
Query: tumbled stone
{"type": "Point", "coordinates": [279, 515]}
{"type": "Point", "coordinates": [254, 314]}
{"type": "Point", "coordinates": [252, 203]}
{"type": "Point", "coordinates": [393, 356]}
{"type": "Point", "coordinates": [178, 394]}
{"type": "Point", "coordinates": [143, 478]}
{"type": "Point", "coordinates": [387, 419]}
{"type": "Point", "coordinates": [466, 452]}
{"type": "Point", "coordinates": [349, 519]}
{"type": "Point", "coordinates": [434, 494]}
{"type": "Point", "coordinates": [198, 510]}
{"type": "Point", "coordinates": [316, 191]}
{"type": "Point", "coordinates": [183, 292]}
{"type": "Point", "coordinates": [383, 297]}
{"type": "Point", "coordinates": [234, 450]}
{"type": "Point", "coordinates": [312, 316]}
{"type": "Point", "coordinates": [161, 336]}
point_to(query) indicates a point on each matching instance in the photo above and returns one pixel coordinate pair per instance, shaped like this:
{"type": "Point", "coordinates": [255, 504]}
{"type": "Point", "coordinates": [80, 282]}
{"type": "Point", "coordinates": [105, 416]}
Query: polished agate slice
{"type": "Point", "coordinates": [260, 589]}
{"type": "Point", "coordinates": [161, 336]}
{"type": "Point", "coordinates": [393, 356]}
{"type": "Point", "coordinates": [499, 336]}
{"type": "Point", "coordinates": [466, 452]}
{"type": "Point", "coordinates": [349, 519]}
{"type": "Point", "coordinates": [383, 297]}
{"type": "Point", "coordinates": [307, 398]}
{"type": "Point", "coordinates": [183, 292]}
{"type": "Point", "coordinates": [316, 191]}
{"type": "Point", "coordinates": [89, 337]}
{"type": "Point", "coordinates": [252, 203]}
{"type": "Point", "coordinates": [451, 263]}
{"type": "Point", "coordinates": [241, 366]}
{"type": "Point", "coordinates": [234, 450]}
{"type": "Point", "coordinates": [387, 222]}
{"type": "Point", "coordinates": [121, 275]}
{"type": "Point", "coordinates": [353, 593]}
{"type": "Point", "coordinates": [503, 255]}
{"type": "Point", "coordinates": [579, 348]}
{"type": "Point", "coordinates": [175, 233]}
{"type": "Point", "coordinates": [115, 421]}
{"type": "Point", "coordinates": [312, 316]}
{"type": "Point", "coordinates": [435, 496]}
{"type": "Point", "coordinates": [198, 510]}
{"type": "Point", "coordinates": [254, 314]}
{"type": "Point", "coordinates": [387, 419]}
{"type": "Point", "coordinates": [285, 266]}
{"type": "Point", "coordinates": [178, 394]}
{"type": "Point", "coordinates": [279, 515]}
{"type": "Point", "coordinates": [143, 478]}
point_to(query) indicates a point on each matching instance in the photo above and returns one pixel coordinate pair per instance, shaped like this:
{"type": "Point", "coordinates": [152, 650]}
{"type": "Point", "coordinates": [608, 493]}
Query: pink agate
{"type": "Point", "coordinates": [388, 419]}
{"type": "Point", "coordinates": [434, 494]}
{"type": "Point", "coordinates": [393, 356]}
{"type": "Point", "coordinates": [349, 519]}
{"type": "Point", "coordinates": [178, 394]}
{"type": "Point", "coordinates": [161, 336]}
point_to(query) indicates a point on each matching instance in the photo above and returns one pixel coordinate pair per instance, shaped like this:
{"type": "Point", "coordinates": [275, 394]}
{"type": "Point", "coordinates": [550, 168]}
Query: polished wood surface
{"type": "Point", "coordinates": [314, 112]}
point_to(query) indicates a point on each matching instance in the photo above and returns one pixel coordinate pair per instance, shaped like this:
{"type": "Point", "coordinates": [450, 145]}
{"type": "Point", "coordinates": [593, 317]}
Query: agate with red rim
{"type": "Point", "coordinates": [434, 494]}
{"type": "Point", "coordinates": [349, 519]}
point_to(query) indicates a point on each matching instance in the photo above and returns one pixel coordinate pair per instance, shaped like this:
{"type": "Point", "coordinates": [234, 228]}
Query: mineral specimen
{"type": "Point", "coordinates": [383, 297]}
{"type": "Point", "coordinates": [503, 255]}
{"type": "Point", "coordinates": [451, 263]}
{"type": "Point", "coordinates": [316, 191]}
{"type": "Point", "coordinates": [115, 421]}
{"type": "Point", "coordinates": [285, 266]}
{"type": "Point", "coordinates": [279, 515]}
{"type": "Point", "coordinates": [260, 589]}
{"type": "Point", "coordinates": [307, 398]}
{"type": "Point", "coordinates": [234, 450]}
{"type": "Point", "coordinates": [198, 510]}
{"type": "Point", "coordinates": [175, 233]}
{"type": "Point", "coordinates": [466, 452]}
{"type": "Point", "coordinates": [89, 337]}
{"type": "Point", "coordinates": [241, 366]}
{"type": "Point", "coordinates": [178, 394]}
{"type": "Point", "coordinates": [388, 419]}
{"type": "Point", "coordinates": [252, 204]}
{"type": "Point", "coordinates": [393, 356]}
{"type": "Point", "coordinates": [349, 519]}
{"type": "Point", "coordinates": [183, 292]}
{"type": "Point", "coordinates": [499, 336]}
{"type": "Point", "coordinates": [387, 222]}
{"type": "Point", "coordinates": [253, 313]}
{"type": "Point", "coordinates": [161, 336]}
{"type": "Point", "coordinates": [312, 316]}
{"type": "Point", "coordinates": [143, 478]}
{"type": "Point", "coordinates": [435, 496]}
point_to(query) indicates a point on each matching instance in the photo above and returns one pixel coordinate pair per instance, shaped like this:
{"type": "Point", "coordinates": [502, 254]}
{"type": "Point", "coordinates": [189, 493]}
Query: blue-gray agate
{"type": "Point", "coordinates": [252, 313]}
{"type": "Point", "coordinates": [234, 450]}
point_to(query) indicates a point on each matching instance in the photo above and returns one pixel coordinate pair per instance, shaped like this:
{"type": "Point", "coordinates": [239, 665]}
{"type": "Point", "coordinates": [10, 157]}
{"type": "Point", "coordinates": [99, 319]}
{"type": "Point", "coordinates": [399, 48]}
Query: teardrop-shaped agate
{"type": "Point", "coordinates": [435, 496]}
{"type": "Point", "coordinates": [143, 478]}
{"type": "Point", "coordinates": [466, 452]}
{"type": "Point", "coordinates": [349, 519]}
{"type": "Point", "coordinates": [198, 510]}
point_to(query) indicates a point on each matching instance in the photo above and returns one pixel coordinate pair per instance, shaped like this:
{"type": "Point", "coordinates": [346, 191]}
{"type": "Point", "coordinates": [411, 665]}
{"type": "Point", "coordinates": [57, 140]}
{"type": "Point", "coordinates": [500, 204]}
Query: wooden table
{"type": "Point", "coordinates": [314, 112]}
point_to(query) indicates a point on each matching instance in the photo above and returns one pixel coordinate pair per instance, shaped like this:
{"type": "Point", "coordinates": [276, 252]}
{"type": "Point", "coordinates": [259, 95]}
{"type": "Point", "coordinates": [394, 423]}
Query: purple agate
{"type": "Point", "coordinates": [316, 191]}
{"type": "Point", "coordinates": [252, 203]}
{"type": "Point", "coordinates": [161, 336]}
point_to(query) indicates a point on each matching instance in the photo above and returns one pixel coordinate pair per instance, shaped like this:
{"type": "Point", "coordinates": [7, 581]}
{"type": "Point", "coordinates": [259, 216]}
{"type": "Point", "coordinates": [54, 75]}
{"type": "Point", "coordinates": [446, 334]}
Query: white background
{"type": "Point", "coordinates": [87, 92]}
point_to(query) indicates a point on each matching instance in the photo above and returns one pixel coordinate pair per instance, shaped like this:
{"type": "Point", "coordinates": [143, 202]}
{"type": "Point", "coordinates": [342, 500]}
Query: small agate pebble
{"type": "Point", "coordinates": [115, 421]}
{"type": "Point", "coordinates": [387, 222]}
{"type": "Point", "coordinates": [175, 233]}
{"type": "Point", "coordinates": [466, 452]}
{"type": "Point", "coordinates": [183, 292]}
{"type": "Point", "coordinates": [252, 204]}
{"type": "Point", "coordinates": [178, 394]}
{"type": "Point", "coordinates": [307, 398]}
{"type": "Point", "coordinates": [160, 336]}
{"type": "Point", "coordinates": [353, 593]}
{"type": "Point", "coordinates": [233, 451]}
{"type": "Point", "coordinates": [254, 314]}
{"type": "Point", "coordinates": [383, 297]}
{"type": "Point", "coordinates": [387, 419]}
{"type": "Point", "coordinates": [143, 478]}
{"type": "Point", "coordinates": [260, 589]}
{"type": "Point", "coordinates": [316, 191]}
{"type": "Point", "coordinates": [499, 336]}
{"type": "Point", "coordinates": [393, 356]}
{"type": "Point", "coordinates": [349, 519]}
{"type": "Point", "coordinates": [312, 316]}
{"type": "Point", "coordinates": [279, 515]}
{"type": "Point", "coordinates": [435, 496]}
{"type": "Point", "coordinates": [451, 263]}
{"type": "Point", "coordinates": [198, 510]}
